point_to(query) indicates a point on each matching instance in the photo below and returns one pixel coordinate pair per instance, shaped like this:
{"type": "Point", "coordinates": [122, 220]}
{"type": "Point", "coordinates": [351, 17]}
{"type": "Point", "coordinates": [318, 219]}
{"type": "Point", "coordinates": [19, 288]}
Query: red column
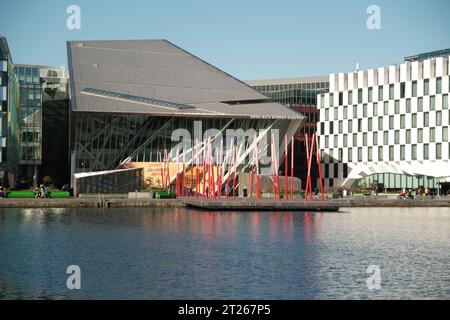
{"type": "Point", "coordinates": [286, 191]}
{"type": "Point", "coordinates": [292, 168]}
{"type": "Point", "coordinates": [213, 178]}
{"type": "Point", "coordinates": [251, 182]}
{"type": "Point", "coordinates": [161, 169]}
{"type": "Point", "coordinates": [204, 177]}
{"type": "Point", "coordinates": [319, 165]}
{"type": "Point", "coordinates": [310, 164]}
{"type": "Point", "coordinates": [168, 171]}
{"type": "Point", "coordinates": [274, 184]}
{"type": "Point", "coordinates": [234, 171]}
{"type": "Point", "coordinates": [183, 180]}
{"type": "Point", "coordinates": [307, 164]}
{"type": "Point", "coordinates": [258, 182]}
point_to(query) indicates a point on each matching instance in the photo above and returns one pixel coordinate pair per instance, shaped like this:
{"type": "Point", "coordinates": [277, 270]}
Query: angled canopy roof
{"type": "Point", "coordinates": [157, 77]}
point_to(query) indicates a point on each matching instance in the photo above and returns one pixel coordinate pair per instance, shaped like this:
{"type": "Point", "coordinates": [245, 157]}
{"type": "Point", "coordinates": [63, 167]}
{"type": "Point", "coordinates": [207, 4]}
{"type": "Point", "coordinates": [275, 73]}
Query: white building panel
{"type": "Point", "coordinates": [440, 67]}
{"type": "Point", "coordinates": [332, 82]}
{"type": "Point", "coordinates": [371, 78]}
{"type": "Point", "coordinates": [341, 82]}
{"type": "Point", "coordinates": [391, 74]}
{"type": "Point", "coordinates": [414, 71]}
{"type": "Point", "coordinates": [403, 72]}
{"type": "Point", "coordinates": [360, 79]}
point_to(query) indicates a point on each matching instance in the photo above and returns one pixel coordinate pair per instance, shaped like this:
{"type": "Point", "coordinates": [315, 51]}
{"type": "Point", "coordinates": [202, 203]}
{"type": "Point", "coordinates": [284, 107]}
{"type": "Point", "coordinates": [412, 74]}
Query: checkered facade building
{"type": "Point", "coordinates": [389, 125]}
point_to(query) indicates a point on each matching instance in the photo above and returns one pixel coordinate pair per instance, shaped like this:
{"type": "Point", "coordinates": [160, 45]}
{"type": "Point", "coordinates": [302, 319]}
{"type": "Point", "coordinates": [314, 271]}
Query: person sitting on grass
{"type": "Point", "coordinates": [44, 191]}
{"type": "Point", "coordinates": [37, 192]}
{"type": "Point", "coordinates": [2, 192]}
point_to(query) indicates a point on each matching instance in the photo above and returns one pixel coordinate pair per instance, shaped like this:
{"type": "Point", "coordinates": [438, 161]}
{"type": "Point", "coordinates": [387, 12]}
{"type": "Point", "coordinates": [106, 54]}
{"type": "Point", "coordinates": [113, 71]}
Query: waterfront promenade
{"type": "Point", "coordinates": [114, 202]}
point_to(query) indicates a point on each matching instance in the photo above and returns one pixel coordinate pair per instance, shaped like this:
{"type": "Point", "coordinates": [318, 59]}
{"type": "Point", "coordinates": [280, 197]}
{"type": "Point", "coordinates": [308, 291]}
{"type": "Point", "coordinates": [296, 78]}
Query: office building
{"type": "Point", "coordinates": [388, 127]}
{"type": "Point", "coordinates": [41, 88]}
{"type": "Point", "coordinates": [9, 131]}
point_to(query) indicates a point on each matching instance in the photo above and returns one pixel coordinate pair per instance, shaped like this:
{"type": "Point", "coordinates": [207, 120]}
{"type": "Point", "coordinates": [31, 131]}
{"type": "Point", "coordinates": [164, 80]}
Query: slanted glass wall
{"type": "Point", "coordinates": [103, 141]}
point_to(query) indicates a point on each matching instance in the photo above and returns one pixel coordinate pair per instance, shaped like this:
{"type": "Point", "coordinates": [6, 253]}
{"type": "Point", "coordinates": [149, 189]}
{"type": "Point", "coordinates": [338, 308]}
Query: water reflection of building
{"type": "Point", "coordinates": [299, 94]}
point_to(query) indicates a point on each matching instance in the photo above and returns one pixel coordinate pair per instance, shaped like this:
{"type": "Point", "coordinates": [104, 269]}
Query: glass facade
{"type": "Point", "coordinates": [398, 181]}
{"type": "Point", "coordinates": [37, 84]}
{"type": "Point", "coordinates": [301, 96]}
{"type": "Point", "coordinates": [30, 115]}
{"type": "Point", "coordinates": [102, 141]}
{"type": "Point", "coordinates": [9, 88]}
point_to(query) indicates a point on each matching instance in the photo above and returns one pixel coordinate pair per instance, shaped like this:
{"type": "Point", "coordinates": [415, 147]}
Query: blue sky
{"type": "Point", "coordinates": [246, 38]}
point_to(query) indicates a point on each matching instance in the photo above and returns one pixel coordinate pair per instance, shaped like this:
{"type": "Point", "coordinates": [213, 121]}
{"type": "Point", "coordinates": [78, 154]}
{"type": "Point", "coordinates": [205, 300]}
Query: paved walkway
{"type": "Point", "coordinates": [108, 202]}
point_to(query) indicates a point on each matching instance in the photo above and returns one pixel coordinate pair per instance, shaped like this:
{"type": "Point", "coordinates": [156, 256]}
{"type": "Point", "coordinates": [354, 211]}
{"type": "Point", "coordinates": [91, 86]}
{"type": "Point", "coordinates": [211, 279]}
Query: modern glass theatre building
{"type": "Point", "coordinates": [388, 126]}
{"type": "Point", "coordinates": [129, 97]}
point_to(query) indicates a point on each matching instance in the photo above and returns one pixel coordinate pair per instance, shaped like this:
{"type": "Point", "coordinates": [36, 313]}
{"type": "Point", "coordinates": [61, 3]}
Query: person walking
{"type": "Point", "coordinates": [245, 192]}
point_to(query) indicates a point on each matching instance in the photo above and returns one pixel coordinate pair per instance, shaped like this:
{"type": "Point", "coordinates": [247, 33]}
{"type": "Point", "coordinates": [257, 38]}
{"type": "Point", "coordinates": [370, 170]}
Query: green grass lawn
{"type": "Point", "coordinates": [28, 194]}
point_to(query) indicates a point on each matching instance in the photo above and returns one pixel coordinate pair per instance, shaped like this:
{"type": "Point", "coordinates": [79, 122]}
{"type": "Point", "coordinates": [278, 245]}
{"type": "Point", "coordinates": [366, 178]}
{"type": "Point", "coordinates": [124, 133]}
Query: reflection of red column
{"type": "Point", "coordinates": [308, 226]}
{"type": "Point", "coordinates": [319, 167]}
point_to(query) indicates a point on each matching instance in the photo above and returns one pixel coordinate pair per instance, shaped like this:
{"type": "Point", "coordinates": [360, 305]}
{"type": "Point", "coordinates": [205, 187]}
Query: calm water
{"type": "Point", "coordinates": [186, 254]}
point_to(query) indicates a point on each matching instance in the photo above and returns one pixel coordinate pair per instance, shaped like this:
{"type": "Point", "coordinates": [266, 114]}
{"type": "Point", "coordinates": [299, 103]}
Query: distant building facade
{"type": "Point", "coordinates": [299, 94]}
{"type": "Point", "coordinates": [388, 126]}
{"type": "Point", "coordinates": [39, 85]}
{"type": "Point", "coordinates": [9, 131]}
